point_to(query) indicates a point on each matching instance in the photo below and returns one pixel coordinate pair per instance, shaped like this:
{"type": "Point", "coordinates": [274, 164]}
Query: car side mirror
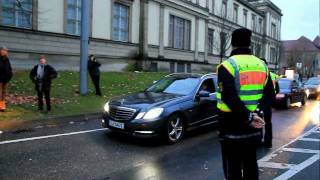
{"type": "Point", "coordinates": [203, 94]}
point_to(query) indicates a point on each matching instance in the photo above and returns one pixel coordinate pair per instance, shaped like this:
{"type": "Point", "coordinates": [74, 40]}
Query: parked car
{"type": "Point", "coordinates": [291, 91]}
{"type": "Point", "coordinates": [168, 108]}
{"type": "Point", "coordinates": [312, 85]}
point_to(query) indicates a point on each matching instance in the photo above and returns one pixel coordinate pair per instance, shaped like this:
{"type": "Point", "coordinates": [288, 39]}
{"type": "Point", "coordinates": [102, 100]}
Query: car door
{"type": "Point", "coordinates": [206, 105]}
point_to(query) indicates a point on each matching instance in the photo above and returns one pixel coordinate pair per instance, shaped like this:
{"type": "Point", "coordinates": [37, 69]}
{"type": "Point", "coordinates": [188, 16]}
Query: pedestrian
{"type": "Point", "coordinates": [243, 81]}
{"type": "Point", "coordinates": [5, 76]}
{"type": "Point", "coordinates": [269, 101]}
{"type": "Point", "coordinates": [42, 75]}
{"type": "Point", "coordinates": [94, 72]}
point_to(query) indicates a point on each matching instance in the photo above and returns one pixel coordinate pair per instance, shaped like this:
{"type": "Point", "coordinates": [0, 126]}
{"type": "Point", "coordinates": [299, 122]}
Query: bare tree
{"type": "Point", "coordinates": [223, 44]}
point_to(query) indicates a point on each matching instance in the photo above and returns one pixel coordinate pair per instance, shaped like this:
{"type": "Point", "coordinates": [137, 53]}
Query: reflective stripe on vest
{"type": "Point", "coordinates": [250, 75]}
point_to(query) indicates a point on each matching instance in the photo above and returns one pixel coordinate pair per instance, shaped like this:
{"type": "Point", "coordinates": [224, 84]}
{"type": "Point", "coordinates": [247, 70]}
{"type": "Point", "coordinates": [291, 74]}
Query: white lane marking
{"type": "Point", "coordinates": [276, 165]}
{"type": "Point", "coordinates": [309, 139]}
{"type": "Point", "coordinates": [297, 168]}
{"type": "Point", "coordinates": [50, 136]}
{"type": "Point", "coordinates": [298, 150]}
{"type": "Point", "coordinates": [272, 154]}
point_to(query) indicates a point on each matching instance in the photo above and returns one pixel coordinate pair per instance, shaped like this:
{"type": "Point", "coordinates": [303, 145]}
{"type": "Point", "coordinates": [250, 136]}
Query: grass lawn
{"type": "Point", "coordinates": [65, 87]}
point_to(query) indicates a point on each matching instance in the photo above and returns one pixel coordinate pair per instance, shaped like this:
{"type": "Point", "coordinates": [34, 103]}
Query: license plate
{"type": "Point", "coordinates": [116, 124]}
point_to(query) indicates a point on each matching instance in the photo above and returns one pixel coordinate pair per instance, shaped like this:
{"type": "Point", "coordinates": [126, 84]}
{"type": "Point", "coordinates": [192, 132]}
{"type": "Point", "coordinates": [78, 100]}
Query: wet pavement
{"type": "Point", "coordinates": [82, 150]}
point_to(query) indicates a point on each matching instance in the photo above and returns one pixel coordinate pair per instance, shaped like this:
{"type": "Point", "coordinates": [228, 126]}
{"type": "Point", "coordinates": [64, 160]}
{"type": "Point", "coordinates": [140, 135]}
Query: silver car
{"type": "Point", "coordinates": [312, 87]}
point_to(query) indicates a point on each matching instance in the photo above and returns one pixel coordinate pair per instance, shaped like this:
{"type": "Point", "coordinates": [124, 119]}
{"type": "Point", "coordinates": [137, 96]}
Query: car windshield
{"type": "Point", "coordinates": [174, 85]}
{"type": "Point", "coordinates": [314, 81]}
{"type": "Point", "coordinates": [284, 84]}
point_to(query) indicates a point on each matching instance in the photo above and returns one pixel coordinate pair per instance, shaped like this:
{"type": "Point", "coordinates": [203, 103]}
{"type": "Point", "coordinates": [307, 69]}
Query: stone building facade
{"type": "Point", "coordinates": [161, 35]}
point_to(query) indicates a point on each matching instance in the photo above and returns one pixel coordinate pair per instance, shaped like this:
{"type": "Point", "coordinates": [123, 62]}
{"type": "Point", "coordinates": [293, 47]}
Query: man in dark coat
{"type": "Point", "coordinates": [41, 75]}
{"type": "Point", "coordinates": [5, 76]}
{"type": "Point", "coordinates": [94, 72]}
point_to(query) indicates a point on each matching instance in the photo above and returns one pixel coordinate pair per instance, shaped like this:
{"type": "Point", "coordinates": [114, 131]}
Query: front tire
{"type": "Point", "coordinates": [175, 129]}
{"type": "Point", "coordinates": [304, 100]}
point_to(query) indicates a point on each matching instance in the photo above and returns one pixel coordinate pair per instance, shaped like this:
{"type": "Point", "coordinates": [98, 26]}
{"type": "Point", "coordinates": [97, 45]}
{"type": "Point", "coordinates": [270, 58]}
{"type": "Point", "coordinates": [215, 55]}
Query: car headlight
{"type": "Point", "coordinates": [153, 113]}
{"type": "Point", "coordinates": [106, 107]}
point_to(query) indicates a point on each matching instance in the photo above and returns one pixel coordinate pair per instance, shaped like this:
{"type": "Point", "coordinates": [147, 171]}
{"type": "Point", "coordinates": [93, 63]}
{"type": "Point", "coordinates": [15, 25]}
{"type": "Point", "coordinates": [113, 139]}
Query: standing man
{"type": "Point", "coordinates": [94, 72]}
{"type": "Point", "coordinates": [42, 75]}
{"type": "Point", "coordinates": [5, 76]}
{"type": "Point", "coordinates": [243, 81]}
{"type": "Point", "coordinates": [268, 102]}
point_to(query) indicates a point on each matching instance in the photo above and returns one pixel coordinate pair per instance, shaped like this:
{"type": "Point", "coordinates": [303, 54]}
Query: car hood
{"type": "Point", "coordinates": [144, 100]}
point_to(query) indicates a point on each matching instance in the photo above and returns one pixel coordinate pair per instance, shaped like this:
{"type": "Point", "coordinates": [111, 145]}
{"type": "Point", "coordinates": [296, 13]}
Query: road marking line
{"type": "Point", "coordinates": [309, 139]}
{"type": "Point", "coordinates": [272, 154]}
{"type": "Point", "coordinates": [298, 150]}
{"type": "Point", "coordinates": [297, 168]}
{"type": "Point", "coordinates": [276, 165]}
{"type": "Point", "coordinates": [50, 136]}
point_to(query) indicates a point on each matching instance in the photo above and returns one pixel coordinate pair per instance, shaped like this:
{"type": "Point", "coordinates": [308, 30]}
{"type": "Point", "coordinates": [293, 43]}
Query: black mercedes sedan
{"type": "Point", "coordinates": [168, 108]}
{"type": "Point", "coordinates": [291, 91]}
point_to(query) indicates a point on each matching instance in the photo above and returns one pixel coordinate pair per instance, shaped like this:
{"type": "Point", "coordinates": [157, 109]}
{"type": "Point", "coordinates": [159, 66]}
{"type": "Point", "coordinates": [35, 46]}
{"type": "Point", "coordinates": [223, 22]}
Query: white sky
{"type": "Point", "coordinates": [300, 17]}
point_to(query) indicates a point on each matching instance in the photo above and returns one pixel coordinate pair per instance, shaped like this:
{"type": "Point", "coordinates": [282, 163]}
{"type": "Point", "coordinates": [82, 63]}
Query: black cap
{"type": "Point", "coordinates": [241, 37]}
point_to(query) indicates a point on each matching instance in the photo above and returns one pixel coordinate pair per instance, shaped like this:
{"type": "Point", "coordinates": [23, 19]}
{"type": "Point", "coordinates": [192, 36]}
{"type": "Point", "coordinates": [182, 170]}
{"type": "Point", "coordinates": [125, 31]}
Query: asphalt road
{"type": "Point", "coordinates": [82, 150]}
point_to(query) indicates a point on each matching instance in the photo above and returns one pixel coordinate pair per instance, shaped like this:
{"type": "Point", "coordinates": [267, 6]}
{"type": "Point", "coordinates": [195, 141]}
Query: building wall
{"type": "Point", "coordinates": [50, 38]}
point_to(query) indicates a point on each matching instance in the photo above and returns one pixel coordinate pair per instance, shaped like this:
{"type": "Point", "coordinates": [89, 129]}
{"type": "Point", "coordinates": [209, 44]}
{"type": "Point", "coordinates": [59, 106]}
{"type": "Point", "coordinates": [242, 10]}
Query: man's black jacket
{"type": "Point", "coordinates": [48, 74]}
{"type": "Point", "coordinates": [5, 70]}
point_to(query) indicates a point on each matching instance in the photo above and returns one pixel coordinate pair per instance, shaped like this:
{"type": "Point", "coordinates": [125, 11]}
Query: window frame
{"type": "Point", "coordinates": [129, 6]}
{"type": "Point", "coordinates": [210, 49]}
{"type": "Point", "coordinates": [186, 33]}
{"type": "Point", "coordinates": [245, 17]}
{"type": "Point", "coordinates": [235, 13]}
{"type": "Point", "coordinates": [16, 15]}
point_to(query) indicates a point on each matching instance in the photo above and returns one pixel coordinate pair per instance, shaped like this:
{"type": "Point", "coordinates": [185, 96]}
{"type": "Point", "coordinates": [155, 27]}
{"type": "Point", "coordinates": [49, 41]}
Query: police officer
{"type": "Point", "coordinates": [269, 100]}
{"type": "Point", "coordinates": [42, 75]}
{"type": "Point", "coordinates": [243, 81]}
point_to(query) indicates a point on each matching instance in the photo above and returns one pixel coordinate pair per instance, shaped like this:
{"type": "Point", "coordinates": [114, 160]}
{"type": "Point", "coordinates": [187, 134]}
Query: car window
{"type": "Point", "coordinates": [313, 81]}
{"type": "Point", "coordinates": [208, 85]}
{"type": "Point", "coordinates": [174, 85]}
{"type": "Point", "coordinates": [284, 84]}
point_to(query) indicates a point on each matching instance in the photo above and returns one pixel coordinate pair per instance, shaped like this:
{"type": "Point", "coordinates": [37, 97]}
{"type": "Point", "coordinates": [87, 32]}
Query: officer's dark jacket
{"type": "Point", "coordinates": [5, 70]}
{"type": "Point", "coordinates": [93, 67]}
{"type": "Point", "coordinates": [48, 74]}
{"type": "Point", "coordinates": [237, 121]}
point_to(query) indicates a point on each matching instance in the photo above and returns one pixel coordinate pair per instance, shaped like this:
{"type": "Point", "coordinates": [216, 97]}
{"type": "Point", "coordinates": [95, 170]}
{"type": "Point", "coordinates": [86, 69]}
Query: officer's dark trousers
{"type": "Point", "coordinates": [46, 93]}
{"type": "Point", "coordinates": [268, 126]}
{"type": "Point", "coordinates": [96, 82]}
{"type": "Point", "coordinates": [239, 159]}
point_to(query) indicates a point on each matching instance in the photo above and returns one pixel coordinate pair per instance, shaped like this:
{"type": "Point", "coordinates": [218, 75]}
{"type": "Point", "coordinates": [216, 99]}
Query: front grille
{"type": "Point", "coordinates": [121, 113]}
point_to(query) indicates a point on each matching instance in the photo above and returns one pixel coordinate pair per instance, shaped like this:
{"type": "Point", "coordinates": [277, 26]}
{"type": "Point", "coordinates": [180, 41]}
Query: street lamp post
{"type": "Point", "coordinates": [84, 46]}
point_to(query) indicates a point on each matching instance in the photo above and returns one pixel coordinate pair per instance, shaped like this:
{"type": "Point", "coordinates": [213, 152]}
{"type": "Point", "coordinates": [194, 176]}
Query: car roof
{"type": "Point", "coordinates": [191, 75]}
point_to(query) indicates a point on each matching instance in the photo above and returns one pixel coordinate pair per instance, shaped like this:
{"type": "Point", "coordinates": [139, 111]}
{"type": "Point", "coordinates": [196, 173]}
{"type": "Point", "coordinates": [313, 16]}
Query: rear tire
{"type": "Point", "coordinates": [174, 129]}
{"type": "Point", "coordinates": [304, 100]}
{"type": "Point", "coordinates": [287, 103]}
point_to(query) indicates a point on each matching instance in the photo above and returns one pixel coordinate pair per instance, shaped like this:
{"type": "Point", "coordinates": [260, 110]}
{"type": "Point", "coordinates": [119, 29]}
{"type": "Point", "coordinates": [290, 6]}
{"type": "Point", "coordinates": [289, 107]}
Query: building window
{"type": "Point", "coordinates": [16, 13]}
{"type": "Point", "coordinates": [73, 17]}
{"type": "Point", "coordinates": [258, 50]}
{"type": "Point", "coordinates": [273, 30]}
{"type": "Point", "coordinates": [272, 55]}
{"type": "Point", "coordinates": [154, 67]}
{"type": "Point", "coordinates": [189, 68]}
{"type": "Point", "coordinates": [253, 22]}
{"type": "Point", "coordinates": [260, 26]}
{"type": "Point", "coordinates": [210, 40]}
{"type": "Point", "coordinates": [223, 41]}
{"type": "Point", "coordinates": [172, 67]}
{"type": "Point", "coordinates": [235, 13]}
{"type": "Point", "coordinates": [179, 33]}
{"type": "Point", "coordinates": [224, 9]}
{"type": "Point", "coordinates": [245, 18]}
{"type": "Point", "coordinates": [180, 68]}
{"type": "Point", "coordinates": [120, 22]}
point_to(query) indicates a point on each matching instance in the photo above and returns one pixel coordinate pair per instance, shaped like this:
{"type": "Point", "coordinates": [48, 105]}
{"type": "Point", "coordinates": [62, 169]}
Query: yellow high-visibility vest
{"type": "Point", "coordinates": [250, 75]}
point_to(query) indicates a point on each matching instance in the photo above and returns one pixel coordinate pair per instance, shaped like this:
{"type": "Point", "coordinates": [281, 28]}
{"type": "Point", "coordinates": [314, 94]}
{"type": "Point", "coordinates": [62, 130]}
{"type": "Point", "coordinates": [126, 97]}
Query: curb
{"type": "Point", "coordinates": [51, 121]}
